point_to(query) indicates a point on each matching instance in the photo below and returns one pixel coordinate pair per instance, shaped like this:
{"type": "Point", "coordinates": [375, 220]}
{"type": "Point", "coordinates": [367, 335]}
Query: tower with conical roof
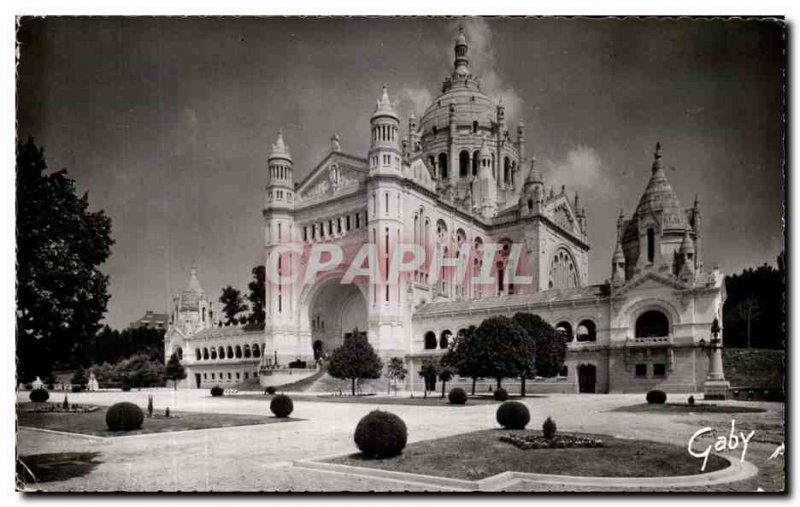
{"type": "Point", "coordinates": [279, 230]}
{"type": "Point", "coordinates": [652, 238]}
{"type": "Point", "coordinates": [385, 202]}
{"type": "Point", "coordinates": [191, 309]}
{"type": "Point", "coordinates": [532, 195]}
{"type": "Point", "coordinates": [385, 156]}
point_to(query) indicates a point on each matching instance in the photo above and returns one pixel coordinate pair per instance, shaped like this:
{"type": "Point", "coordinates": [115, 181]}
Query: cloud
{"type": "Point", "coordinates": [415, 99]}
{"type": "Point", "coordinates": [581, 170]}
{"type": "Point", "coordinates": [483, 64]}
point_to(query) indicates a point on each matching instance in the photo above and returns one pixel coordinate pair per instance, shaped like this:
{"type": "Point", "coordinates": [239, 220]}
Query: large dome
{"type": "Point", "coordinates": [470, 104]}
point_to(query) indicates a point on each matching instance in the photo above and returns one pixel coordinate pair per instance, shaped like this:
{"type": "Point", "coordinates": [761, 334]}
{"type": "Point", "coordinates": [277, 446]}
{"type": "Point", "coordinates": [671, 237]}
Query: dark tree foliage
{"type": "Point", "coordinates": [139, 371]}
{"type": "Point", "coordinates": [354, 360]}
{"type": "Point", "coordinates": [429, 370]}
{"type": "Point", "coordinates": [174, 370]}
{"type": "Point", "coordinates": [232, 303]}
{"type": "Point", "coordinates": [256, 297]}
{"type": "Point", "coordinates": [507, 346]}
{"type": "Point", "coordinates": [466, 356]}
{"type": "Point", "coordinates": [550, 346]}
{"type": "Point", "coordinates": [61, 293]}
{"type": "Point", "coordinates": [760, 296]}
{"type": "Point", "coordinates": [111, 346]}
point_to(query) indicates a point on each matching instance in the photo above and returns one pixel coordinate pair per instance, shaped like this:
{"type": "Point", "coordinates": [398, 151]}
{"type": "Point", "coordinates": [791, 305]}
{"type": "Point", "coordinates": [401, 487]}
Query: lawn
{"type": "Point", "coordinates": [430, 401]}
{"type": "Point", "coordinates": [685, 408]}
{"type": "Point", "coordinates": [94, 423]}
{"type": "Point", "coordinates": [481, 454]}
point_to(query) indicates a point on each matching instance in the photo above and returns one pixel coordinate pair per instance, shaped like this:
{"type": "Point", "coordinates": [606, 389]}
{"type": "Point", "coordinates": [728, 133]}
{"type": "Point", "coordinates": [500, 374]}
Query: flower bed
{"type": "Point", "coordinates": [57, 408]}
{"type": "Point", "coordinates": [563, 441]}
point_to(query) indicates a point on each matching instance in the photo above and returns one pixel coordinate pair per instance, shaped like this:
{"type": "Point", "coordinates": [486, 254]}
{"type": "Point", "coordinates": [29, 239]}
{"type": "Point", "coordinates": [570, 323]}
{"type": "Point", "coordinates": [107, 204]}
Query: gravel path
{"type": "Point", "coordinates": [258, 458]}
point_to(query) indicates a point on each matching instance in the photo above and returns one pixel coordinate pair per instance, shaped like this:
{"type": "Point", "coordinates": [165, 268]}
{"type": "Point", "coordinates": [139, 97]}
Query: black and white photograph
{"type": "Point", "coordinates": [440, 254]}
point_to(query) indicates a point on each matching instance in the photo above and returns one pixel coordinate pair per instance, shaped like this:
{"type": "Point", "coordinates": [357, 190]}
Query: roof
{"type": "Point", "coordinates": [509, 302]}
{"type": "Point", "coordinates": [279, 149]}
{"type": "Point", "coordinates": [659, 197]}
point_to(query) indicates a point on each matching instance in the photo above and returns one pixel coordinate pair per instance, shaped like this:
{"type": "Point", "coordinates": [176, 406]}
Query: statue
{"type": "Point", "coordinates": [93, 384]}
{"type": "Point", "coordinates": [37, 384]}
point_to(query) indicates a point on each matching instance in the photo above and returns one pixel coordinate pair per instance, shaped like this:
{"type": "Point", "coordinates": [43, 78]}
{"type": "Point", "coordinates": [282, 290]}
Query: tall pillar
{"type": "Point", "coordinates": [715, 386]}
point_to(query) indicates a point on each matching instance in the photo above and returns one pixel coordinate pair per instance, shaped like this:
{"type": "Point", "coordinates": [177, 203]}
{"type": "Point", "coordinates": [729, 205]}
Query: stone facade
{"type": "Point", "coordinates": [459, 178]}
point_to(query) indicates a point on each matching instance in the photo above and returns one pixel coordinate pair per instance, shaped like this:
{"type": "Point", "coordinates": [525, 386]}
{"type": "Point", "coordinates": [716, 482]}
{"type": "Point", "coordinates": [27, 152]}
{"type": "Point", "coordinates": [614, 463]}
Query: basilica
{"type": "Point", "coordinates": [460, 175]}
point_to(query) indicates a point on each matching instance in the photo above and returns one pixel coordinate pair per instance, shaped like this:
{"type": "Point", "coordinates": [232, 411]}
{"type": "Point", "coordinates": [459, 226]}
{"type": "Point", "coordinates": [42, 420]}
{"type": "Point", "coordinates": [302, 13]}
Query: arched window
{"type": "Point", "coordinates": [204, 314]}
{"type": "Point", "coordinates": [587, 331]}
{"type": "Point", "coordinates": [444, 339]}
{"type": "Point", "coordinates": [506, 170]}
{"type": "Point", "coordinates": [652, 323]}
{"type": "Point", "coordinates": [474, 127]}
{"type": "Point", "coordinates": [651, 244]}
{"type": "Point", "coordinates": [563, 273]}
{"type": "Point", "coordinates": [443, 165]}
{"type": "Point", "coordinates": [565, 328]}
{"type": "Point", "coordinates": [222, 352]}
{"type": "Point", "coordinates": [256, 350]}
{"type": "Point", "coordinates": [238, 352]}
{"type": "Point", "coordinates": [213, 353]}
{"type": "Point", "coordinates": [205, 353]}
{"type": "Point", "coordinates": [476, 157]}
{"type": "Point", "coordinates": [494, 171]}
{"type": "Point", "coordinates": [431, 162]}
{"type": "Point", "coordinates": [197, 354]}
{"type": "Point", "coordinates": [463, 164]}
{"type": "Point", "coordinates": [247, 351]}
{"type": "Point", "coordinates": [230, 352]}
{"type": "Point", "coordinates": [430, 340]}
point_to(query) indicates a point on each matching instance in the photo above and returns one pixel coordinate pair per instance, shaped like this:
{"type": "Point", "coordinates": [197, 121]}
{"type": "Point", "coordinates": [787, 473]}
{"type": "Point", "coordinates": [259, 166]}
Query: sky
{"type": "Point", "coordinates": [167, 122]}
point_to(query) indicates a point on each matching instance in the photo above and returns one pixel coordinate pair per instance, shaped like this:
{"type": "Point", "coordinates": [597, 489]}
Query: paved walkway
{"type": "Point", "coordinates": [258, 458]}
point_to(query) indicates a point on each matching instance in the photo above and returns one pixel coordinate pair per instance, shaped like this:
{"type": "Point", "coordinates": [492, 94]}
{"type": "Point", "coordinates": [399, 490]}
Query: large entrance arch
{"type": "Point", "coordinates": [333, 310]}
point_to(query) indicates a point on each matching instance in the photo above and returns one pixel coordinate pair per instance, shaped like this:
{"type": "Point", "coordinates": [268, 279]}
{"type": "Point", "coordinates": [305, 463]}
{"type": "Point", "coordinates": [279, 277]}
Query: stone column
{"type": "Point", "coordinates": [715, 386]}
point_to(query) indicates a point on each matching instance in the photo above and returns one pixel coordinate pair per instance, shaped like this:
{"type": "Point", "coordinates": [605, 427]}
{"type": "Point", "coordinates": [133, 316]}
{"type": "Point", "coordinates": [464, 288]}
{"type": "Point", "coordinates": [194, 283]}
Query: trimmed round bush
{"type": "Point", "coordinates": [457, 396]}
{"type": "Point", "coordinates": [124, 416]}
{"type": "Point", "coordinates": [39, 395]}
{"type": "Point", "coordinates": [381, 434]}
{"type": "Point", "coordinates": [549, 428]}
{"type": "Point", "coordinates": [500, 394]}
{"type": "Point", "coordinates": [691, 400]}
{"type": "Point", "coordinates": [270, 390]}
{"type": "Point", "coordinates": [216, 391]}
{"type": "Point", "coordinates": [656, 396]}
{"type": "Point", "coordinates": [281, 405]}
{"type": "Point", "coordinates": [513, 415]}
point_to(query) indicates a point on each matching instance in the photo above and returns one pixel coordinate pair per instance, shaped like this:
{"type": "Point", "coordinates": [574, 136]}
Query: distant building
{"type": "Point", "coordinates": [151, 320]}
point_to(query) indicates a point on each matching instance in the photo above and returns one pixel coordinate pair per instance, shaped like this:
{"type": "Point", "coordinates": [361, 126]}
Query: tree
{"type": "Point", "coordinates": [79, 378]}
{"type": "Point", "coordinates": [466, 355]}
{"type": "Point", "coordinates": [445, 376]}
{"type": "Point", "coordinates": [550, 346]}
{"type": "Point", "coordinates": [755, 302]}
{"type": "Point", "coordinates": [61, 294]}
{"type": "Point", "coordinates": [396, 370]}
{"type": "Point", "coordinates": [428, 371]}
{"type": "Point", "coordinates": [232, 303]}
{"type": "Point", "coordinates": [355, 359]}
{"type": "Point", "coordinates": [507, 348]}
{"type": "Point", "coordinates": [139, 371]}
{"type": "Point", "coordinates": [174, 370]}
{"type": "Point", "coordinates": [256, 297]}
